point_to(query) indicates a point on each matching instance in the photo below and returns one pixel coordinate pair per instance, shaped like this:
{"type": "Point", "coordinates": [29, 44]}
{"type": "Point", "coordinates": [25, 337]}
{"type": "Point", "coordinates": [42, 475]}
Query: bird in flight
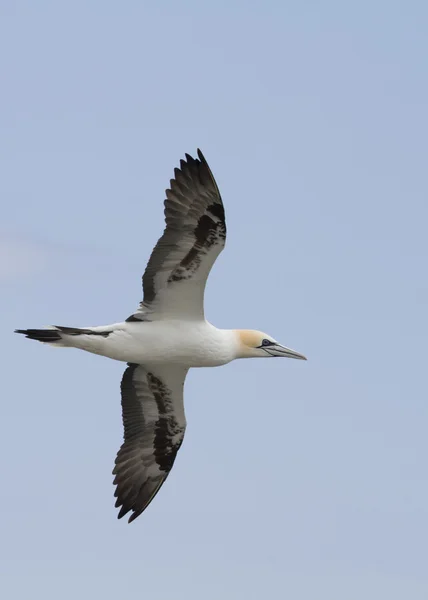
{"type": "Point", "coordinates": [166, 336]}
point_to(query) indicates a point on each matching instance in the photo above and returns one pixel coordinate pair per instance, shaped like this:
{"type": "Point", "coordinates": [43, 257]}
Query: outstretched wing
{"type": "Point", "coordinates": [195, 234]}
{"type": "Point", "coordinates": [154, 423]}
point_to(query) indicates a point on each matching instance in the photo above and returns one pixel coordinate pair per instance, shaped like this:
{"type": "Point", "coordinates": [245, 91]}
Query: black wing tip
{"type": "Point", "coordinates": [190, 159]}
{"type": "Point", "coordinates": [124, 511]}
{"type": "Point", "coordinates": [192, 168]}
{"type": "Point", "coordinates": [200, 164]}
{"type": "Point", "coordinates": [134, 516]}
{"type": "Point", "coordinates": [125, 507]}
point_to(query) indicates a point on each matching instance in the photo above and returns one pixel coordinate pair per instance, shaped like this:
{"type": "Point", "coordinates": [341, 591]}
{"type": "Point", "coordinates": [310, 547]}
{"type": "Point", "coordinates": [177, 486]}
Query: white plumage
{"type": "Point", "coordinates": [167, 335]}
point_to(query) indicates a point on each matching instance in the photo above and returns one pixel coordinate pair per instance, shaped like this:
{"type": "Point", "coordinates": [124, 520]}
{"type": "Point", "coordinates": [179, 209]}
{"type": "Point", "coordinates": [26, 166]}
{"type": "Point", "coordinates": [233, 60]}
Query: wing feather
{"type": "Point", "coordinates": [195, 234]}
{"type": "Point", "coordinates": [154, 426]}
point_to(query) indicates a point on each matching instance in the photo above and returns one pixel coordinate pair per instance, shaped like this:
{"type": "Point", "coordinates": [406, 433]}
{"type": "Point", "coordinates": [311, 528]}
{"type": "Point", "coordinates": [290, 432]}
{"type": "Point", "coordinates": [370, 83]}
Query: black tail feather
{"type": "Point", "coordinates": [41, 335]}
{"type": "Point", "coordinates": [54, 335]}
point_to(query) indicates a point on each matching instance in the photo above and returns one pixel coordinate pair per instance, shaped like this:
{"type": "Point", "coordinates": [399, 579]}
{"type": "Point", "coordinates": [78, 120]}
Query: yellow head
{"type": "Point", "coordinates": [256, 344]}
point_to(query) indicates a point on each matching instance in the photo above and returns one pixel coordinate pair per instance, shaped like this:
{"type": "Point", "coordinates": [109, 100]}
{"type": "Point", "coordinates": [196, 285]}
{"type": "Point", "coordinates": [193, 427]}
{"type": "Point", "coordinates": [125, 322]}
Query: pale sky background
{"type": "Point", "coordinates": [296, 480]}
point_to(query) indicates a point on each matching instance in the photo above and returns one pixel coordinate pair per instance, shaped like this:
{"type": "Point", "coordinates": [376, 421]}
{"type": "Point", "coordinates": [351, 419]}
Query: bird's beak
{"type": "Point", "coordinates": [279, 350]}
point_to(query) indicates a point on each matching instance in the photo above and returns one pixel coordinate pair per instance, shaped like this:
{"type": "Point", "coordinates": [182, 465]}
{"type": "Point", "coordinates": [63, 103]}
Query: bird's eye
{"type": "Point", "coordinates": [267, 343]}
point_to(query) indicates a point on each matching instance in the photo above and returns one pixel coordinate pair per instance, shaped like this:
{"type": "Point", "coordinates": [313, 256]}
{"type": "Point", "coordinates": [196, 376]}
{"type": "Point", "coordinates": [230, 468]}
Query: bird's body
{"type": "Point", "coordinates": [179, 342]}
{"type": "Point", "coordinates": [166, 336]}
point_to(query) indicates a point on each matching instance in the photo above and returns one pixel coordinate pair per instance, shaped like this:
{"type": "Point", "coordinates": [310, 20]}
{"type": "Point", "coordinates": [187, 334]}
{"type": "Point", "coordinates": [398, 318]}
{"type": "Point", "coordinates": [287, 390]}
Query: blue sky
{"type": "Point", "coordinates": [300, 480]}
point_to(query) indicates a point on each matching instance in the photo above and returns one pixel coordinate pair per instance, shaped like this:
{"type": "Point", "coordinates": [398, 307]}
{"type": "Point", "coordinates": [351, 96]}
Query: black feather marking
{"type": "Point", "coordinates": [41, 335]}
{"type": "Point", "coordinates": [54, 335]}
{"type": "Point", "coordinates": [152, 437]}
{"type": "Point", "coordinates": [133, 319]}
{"type": "Point", "coordinates": [78, 331]}
{"type": "Point", "coordinates": [193, 200]}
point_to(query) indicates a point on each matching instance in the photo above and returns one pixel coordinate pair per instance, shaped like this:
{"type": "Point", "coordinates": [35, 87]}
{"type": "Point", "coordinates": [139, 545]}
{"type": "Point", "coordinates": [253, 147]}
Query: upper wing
{"type": "Point", "coordinates": [195, 234]}
{"type": "Point", "coordinates": [154, 423]}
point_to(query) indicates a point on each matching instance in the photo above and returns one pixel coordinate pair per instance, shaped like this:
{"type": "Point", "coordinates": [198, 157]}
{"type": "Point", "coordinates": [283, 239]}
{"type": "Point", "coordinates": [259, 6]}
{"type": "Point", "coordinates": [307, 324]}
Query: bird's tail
{"type": "Point", "coordinates": [59, 336]}
{"type": "Point", "coordinates": [48, 336]}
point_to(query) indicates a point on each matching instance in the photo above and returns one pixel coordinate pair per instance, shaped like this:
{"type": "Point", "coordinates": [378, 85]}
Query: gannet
{"type": "Point", "coordinates": [166, 336]}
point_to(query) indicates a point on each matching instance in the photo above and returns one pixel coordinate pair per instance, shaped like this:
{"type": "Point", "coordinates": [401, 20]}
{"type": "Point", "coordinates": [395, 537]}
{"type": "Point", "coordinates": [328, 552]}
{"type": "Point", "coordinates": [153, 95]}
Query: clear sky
{"type": "Point", "coordinates": [296, 480]}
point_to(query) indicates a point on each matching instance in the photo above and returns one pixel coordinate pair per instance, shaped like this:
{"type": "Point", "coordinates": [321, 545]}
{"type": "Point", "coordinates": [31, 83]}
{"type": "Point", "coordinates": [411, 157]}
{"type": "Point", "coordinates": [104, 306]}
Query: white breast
{"type": "Point", "coordinates": [191, 344]}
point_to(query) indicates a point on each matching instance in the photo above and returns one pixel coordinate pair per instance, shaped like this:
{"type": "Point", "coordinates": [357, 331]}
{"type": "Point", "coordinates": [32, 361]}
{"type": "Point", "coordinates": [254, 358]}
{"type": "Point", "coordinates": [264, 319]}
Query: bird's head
{"type": "Point", "coordinates": [256, 344]}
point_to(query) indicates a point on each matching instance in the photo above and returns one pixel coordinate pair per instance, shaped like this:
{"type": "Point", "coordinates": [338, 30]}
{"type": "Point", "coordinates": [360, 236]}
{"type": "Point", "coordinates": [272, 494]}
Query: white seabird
{"type": "Point", "coordinates": [166, 336]}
